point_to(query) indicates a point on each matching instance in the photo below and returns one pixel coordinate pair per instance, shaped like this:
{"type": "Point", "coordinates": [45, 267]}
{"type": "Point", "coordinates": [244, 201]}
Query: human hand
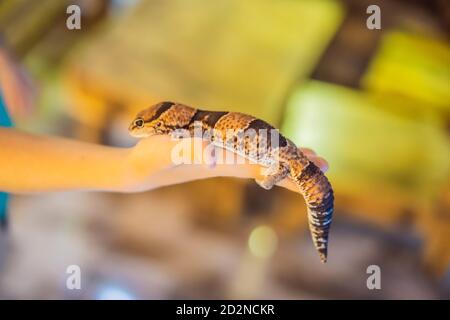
{"type": "Point", "coordinates": [151, 165]}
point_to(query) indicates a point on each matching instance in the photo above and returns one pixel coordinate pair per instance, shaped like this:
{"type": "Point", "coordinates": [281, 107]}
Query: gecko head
{"type": "Point", "coordinates": [152, 121]}
{"type": "Point", "coordinates": [161, 118]}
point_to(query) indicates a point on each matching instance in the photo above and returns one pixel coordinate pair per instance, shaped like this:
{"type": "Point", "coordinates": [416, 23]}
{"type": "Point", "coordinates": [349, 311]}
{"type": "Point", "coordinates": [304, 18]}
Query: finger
{"type": "Point", "coordinates": [308, 152]}
{"type": "Point", "coordinates": [318, 161]}
{"type": "Point", "coordinates": [289, 184]}
{"type": "Point", "coordinates": [321, 163]}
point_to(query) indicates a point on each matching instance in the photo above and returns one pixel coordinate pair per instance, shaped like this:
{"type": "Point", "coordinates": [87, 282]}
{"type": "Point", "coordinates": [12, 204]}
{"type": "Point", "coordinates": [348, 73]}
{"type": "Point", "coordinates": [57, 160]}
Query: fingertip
{"type": "Point", "coordinates": [308, 152]}
{"type": "Point", "coordinates": [321, 163]}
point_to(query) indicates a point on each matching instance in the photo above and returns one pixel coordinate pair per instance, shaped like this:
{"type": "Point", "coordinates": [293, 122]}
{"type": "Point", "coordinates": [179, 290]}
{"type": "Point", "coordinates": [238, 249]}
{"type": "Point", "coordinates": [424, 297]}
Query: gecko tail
{"type": "Point", "coordinates": [319, 232]}
{"type": "Point", "coordinates": [318, 194]}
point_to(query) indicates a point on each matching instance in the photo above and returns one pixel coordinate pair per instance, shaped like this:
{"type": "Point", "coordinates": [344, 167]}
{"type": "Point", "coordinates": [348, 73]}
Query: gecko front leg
{"type": "Point", "coordinates": [272, 175]}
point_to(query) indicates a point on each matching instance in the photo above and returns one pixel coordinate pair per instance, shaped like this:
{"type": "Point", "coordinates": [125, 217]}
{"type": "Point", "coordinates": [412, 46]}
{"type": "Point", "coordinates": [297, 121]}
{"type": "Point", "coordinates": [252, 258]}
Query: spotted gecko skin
{"type": "Point", "coordinates": [282, 159]}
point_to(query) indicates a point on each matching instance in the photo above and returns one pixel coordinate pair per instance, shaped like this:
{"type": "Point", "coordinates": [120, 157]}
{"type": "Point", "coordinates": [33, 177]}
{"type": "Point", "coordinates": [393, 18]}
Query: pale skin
{"type": "Point", "coordinates": [36, 163]}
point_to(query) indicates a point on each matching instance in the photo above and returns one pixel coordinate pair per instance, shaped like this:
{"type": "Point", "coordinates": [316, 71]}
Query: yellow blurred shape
{"type": "Point", "coordinates": [227, 54]}
{"type": "Point", "coordinates": [413, 66]}
{"type": "Point", "coordinates": [262, 241]}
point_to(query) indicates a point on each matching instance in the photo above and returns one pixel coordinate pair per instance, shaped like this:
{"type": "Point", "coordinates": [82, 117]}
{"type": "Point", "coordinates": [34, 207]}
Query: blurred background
{"type": "Point", "coordinates": [374, 103]}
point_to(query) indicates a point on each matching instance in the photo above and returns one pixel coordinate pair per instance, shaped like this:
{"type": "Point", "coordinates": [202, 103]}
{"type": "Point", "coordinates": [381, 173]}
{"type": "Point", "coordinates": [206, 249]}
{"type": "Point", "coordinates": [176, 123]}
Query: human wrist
{"type": "Point", "coordinates": [113, 171]}
{"type": "Point", "coordinates": [132, 169]}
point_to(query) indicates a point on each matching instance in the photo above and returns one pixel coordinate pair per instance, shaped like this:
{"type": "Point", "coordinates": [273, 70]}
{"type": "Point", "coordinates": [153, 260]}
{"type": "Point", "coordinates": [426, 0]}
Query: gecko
{"type": "Point", "coordinates": [279, 156]}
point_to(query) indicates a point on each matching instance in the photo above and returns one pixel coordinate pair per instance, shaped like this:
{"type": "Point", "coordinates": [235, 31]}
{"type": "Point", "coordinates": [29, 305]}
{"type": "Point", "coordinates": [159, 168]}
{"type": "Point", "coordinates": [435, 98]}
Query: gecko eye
{"type": "Point", "coordinates": [158, 124]}
{"type": "Point", "coordinates": [139, 123]}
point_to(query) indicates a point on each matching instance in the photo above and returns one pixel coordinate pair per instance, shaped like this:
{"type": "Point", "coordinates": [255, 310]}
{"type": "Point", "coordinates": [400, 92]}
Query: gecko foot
{"type": "Point", "coordinates": [266, 183]}
{"type": "Point", "coordinates": [272, 176]}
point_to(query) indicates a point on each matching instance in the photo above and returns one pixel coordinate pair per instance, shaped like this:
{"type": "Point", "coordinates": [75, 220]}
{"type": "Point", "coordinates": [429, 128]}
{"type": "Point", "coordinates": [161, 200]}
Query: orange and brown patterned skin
{"type": "Point", "coordinates": [250, 137]}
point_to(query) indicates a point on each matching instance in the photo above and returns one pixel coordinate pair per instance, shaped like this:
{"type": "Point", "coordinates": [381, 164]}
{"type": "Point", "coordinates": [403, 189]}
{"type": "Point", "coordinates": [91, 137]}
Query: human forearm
{"type": "Point", "coordinates": [33, 163]}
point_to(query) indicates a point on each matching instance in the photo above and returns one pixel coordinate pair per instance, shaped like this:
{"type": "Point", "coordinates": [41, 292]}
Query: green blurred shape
{"type": "Point", "coordinates": [23, 22]}
{"type": "Point", "coordinates": [369, 139]}
{"type": "Point", "coordinates": [413, 66]}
